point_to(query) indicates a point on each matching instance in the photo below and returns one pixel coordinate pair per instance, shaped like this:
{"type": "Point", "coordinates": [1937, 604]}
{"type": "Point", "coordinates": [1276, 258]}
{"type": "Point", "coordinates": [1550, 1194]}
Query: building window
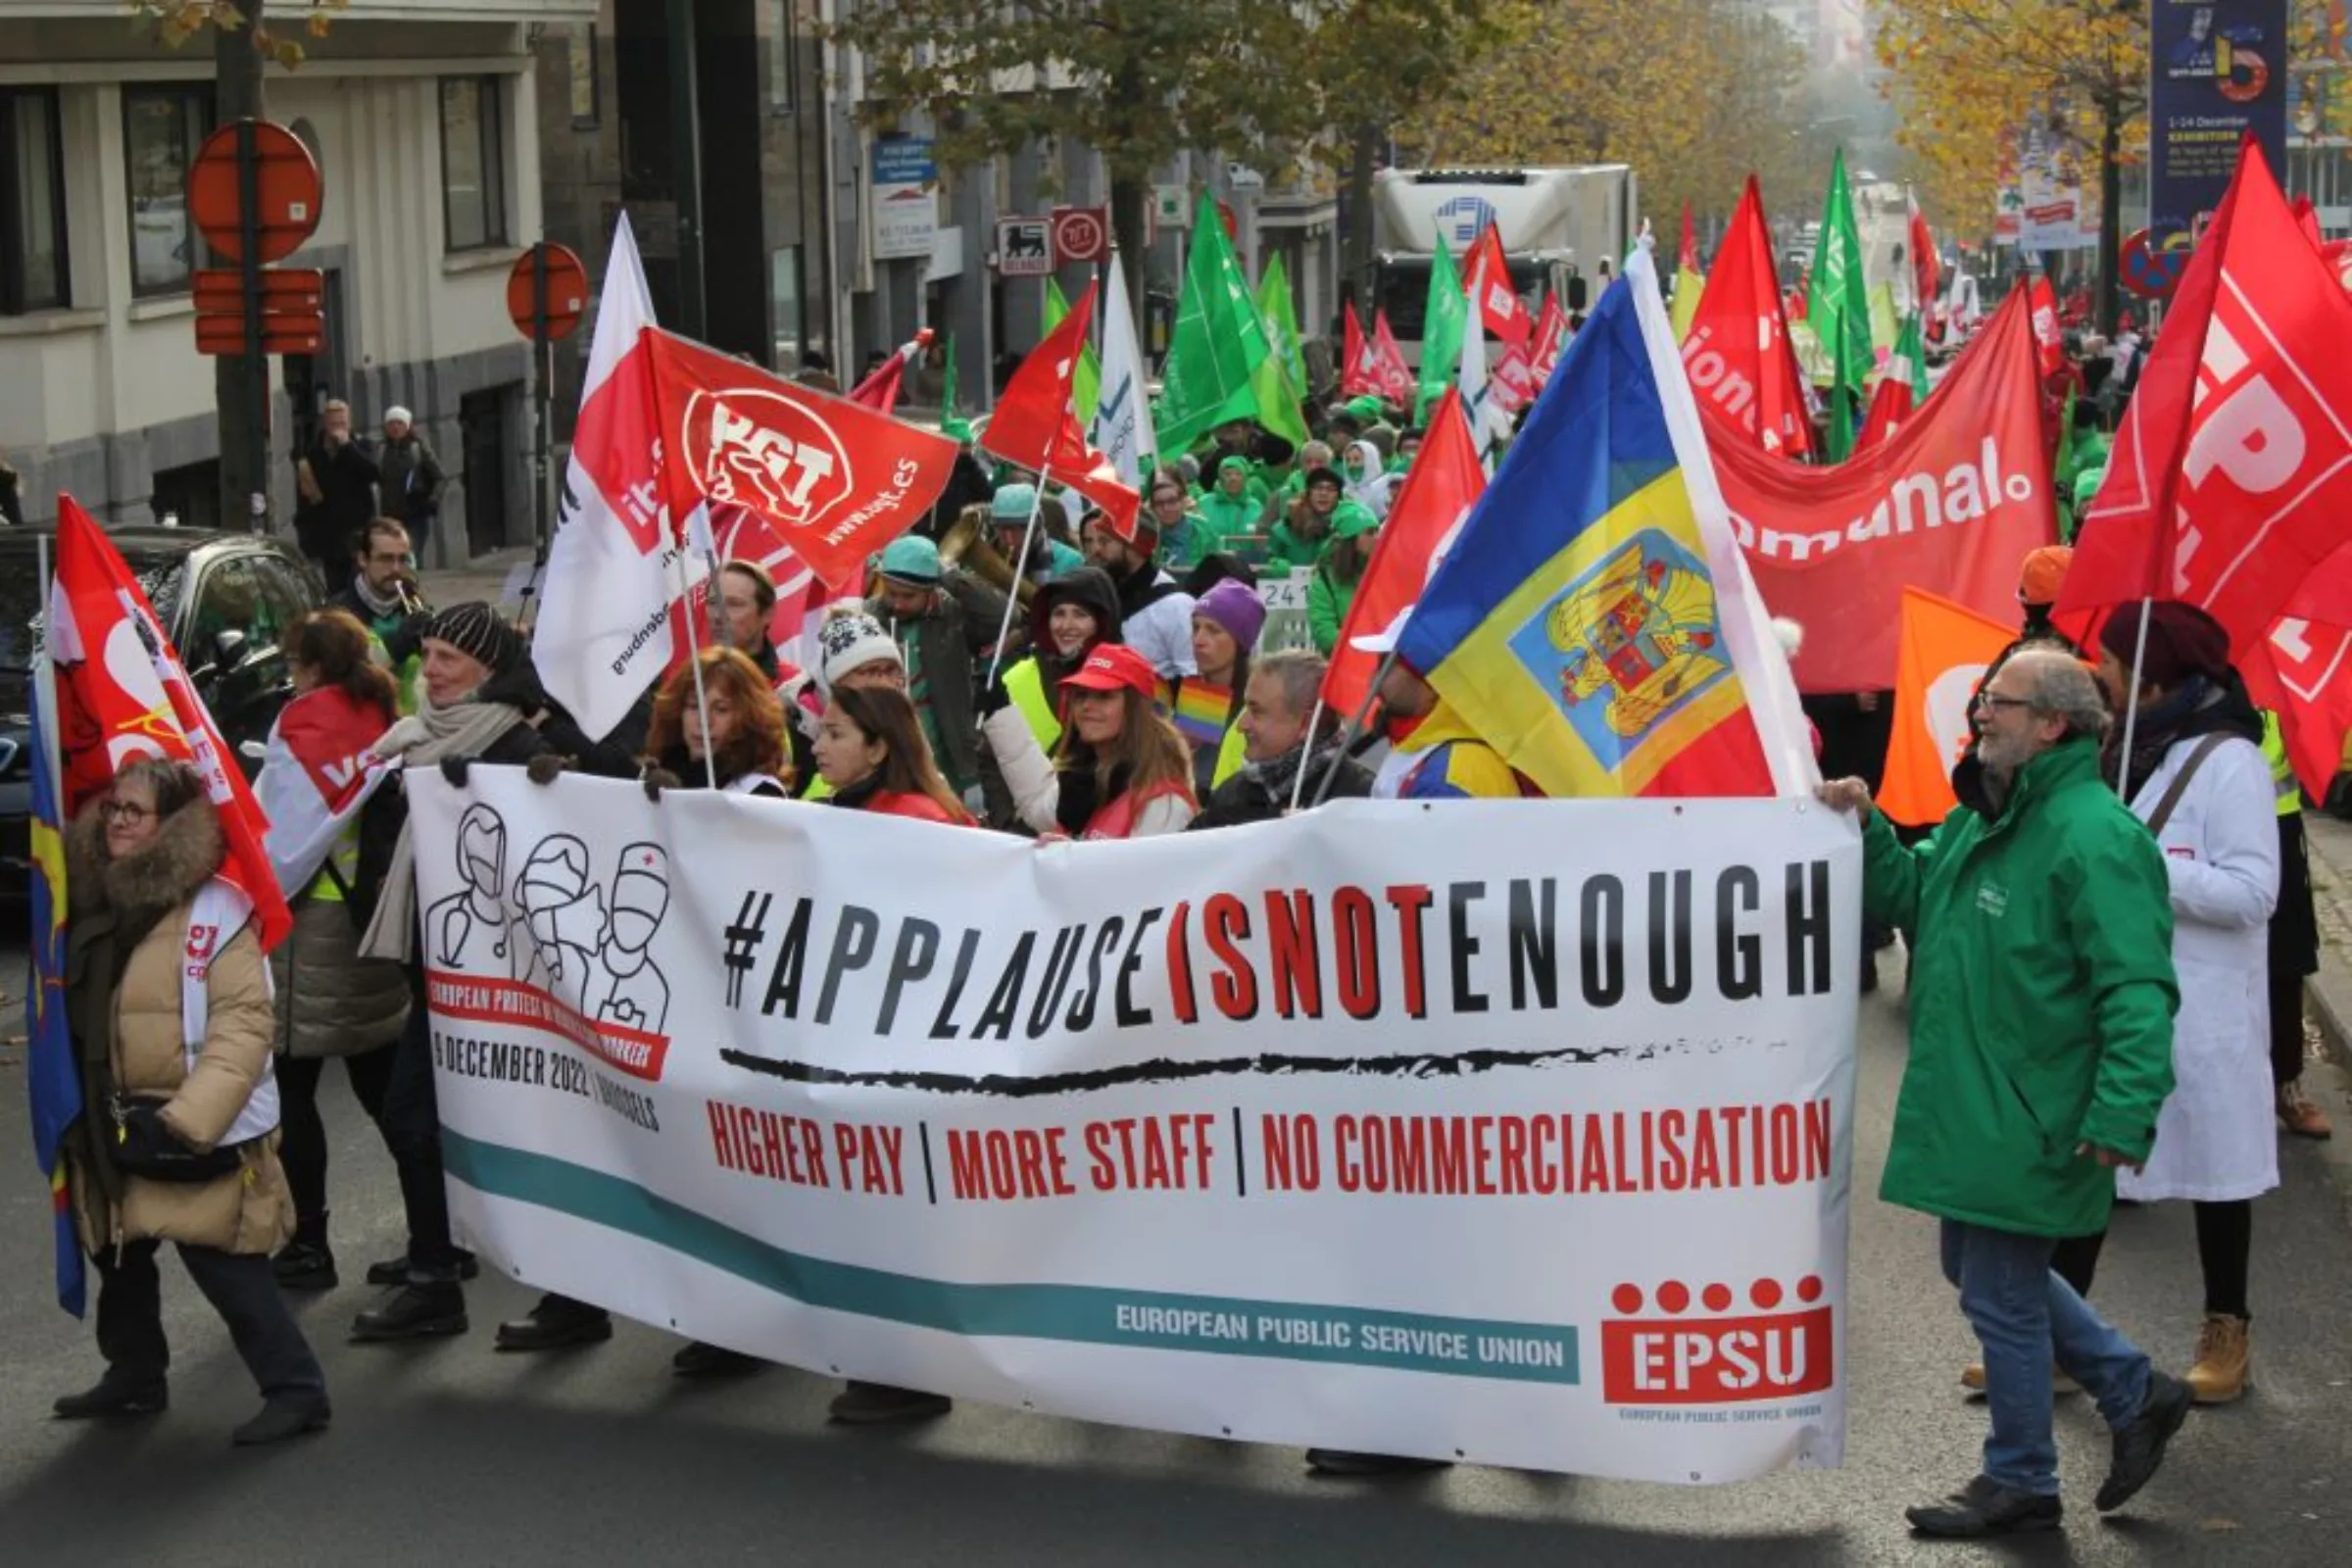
{"type": "Point", "coordinates": [32, 203]}
{"type": "Point", "coordinates": [473, 162]}
{"type": "Point", "coordinates": [784, 60]}
{"type": "Point", "coordinates": [161, 129]}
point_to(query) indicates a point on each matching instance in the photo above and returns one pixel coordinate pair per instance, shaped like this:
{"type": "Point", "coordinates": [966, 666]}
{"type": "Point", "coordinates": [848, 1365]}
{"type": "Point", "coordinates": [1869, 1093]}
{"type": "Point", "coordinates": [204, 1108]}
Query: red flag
{"type": "Point", "coordinates": [1687, 259]}
{"type": "Point", "coordinates": [880, 390]}
{"type": "Point", "coordinates": [1444, 481]}
{"type": "Point", "coordinates": [1513, 385]}
{"type": "Point", "coordinates": [2231, 476]}
{"type": "Point", "coordinates": [1360, 371]}
{"type": "Point", "coordinates": [1396, 383]}
{"type": "Point", "coordinates": [2046, 331]}
{"type": "Point", "coordinates": [1890, 405]}
{"type": "Point", "coordinates": [835, 480]}
{"type": "Point", "coordinates": [1552, 337]}
{"type": "Point", "coordinates": [1034, 427]}
{"type": "Point", "coordinates": [1738, 357]}
{"type": "Point", "coordinates": [1495, 301]}
{"type": "Point", "coordinates": [2303, 672]}
{"type": "Point", "coordinates": [1954, 500]}
{"type": "Point", "coordinates": [1927, 268]}
{"type": "Point", "coordinates": [122, 694]}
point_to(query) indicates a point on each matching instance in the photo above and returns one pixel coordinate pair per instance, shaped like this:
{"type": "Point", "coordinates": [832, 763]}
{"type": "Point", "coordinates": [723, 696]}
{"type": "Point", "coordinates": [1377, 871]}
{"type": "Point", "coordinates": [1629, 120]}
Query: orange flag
{"type": "Point", "coordinates": [1944, 653]}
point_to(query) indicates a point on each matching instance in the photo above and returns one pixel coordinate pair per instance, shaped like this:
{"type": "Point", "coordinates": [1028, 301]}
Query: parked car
{"type": "Point", "coordinates": [223, 599]}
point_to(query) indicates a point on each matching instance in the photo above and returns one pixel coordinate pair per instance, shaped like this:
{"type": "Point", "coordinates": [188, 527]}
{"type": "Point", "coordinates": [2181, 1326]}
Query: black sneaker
{"type": "Point", "coordinates": [2139, 1447]}
{"type": "Point", "coordinates": [412, 1312]}
{"type": "Point", "coordinates": [556, 1323]}
{"type": "Point", "coordinates": [1986, 1508]}
{"type": "Point", "coordinates": [113, 1398]}
{"type": "Point", "coordinates": [394, 1271]}
{"type": "Point", "coordinates": [284, 1416]}
{"type": "Point", "coordinates": [700, 1360]}
{"type": "Point", "coordinates": [1349, 1462]}
{"type": "Point", "coordinates": [865, 1404]}
{"type": "Point", "coordinates": [305, 1267]}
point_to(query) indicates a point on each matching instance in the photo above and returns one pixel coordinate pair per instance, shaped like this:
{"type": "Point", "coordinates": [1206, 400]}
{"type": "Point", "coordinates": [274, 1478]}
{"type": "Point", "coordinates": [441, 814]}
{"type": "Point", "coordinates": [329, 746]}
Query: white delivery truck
{"type": "Point", "coordinates": [1558, 226]}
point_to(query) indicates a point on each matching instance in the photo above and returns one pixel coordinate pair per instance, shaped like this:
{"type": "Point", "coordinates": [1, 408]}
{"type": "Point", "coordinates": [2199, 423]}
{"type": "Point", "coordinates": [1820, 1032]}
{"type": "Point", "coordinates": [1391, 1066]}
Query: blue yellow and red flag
{"type": "Point", "coordinates": [1595, 623]}
{"type": "Point", "coordinates": [51, 1073]}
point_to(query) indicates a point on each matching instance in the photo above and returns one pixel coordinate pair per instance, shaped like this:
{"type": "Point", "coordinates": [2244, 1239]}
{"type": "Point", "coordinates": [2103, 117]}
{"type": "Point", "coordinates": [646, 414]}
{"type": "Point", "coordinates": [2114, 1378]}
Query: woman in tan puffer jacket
{"type": "Point", "coordinates": [145, 908]}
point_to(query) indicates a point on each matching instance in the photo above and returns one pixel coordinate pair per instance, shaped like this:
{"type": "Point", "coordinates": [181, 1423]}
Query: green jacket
{"type": "Point", "coordinates": [1328, 599]}
{"type": "Point", "coordinates": [2042, 1001]}
{"type": "Point", "coordinates": [1222, 517]}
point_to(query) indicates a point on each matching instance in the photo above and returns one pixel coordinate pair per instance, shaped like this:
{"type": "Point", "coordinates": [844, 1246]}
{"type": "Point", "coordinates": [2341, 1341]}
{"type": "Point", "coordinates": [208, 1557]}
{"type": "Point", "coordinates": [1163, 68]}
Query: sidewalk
{"type": "Point", "coordinates": [2330, 990]}
{"type": "Point", "coordinates": [455, 585]}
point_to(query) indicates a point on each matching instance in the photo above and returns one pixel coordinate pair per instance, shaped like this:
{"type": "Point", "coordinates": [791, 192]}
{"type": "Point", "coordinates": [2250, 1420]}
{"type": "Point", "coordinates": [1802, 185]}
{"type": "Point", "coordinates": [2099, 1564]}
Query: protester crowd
{"type": "Point", "coordinates": [2128, 1024]}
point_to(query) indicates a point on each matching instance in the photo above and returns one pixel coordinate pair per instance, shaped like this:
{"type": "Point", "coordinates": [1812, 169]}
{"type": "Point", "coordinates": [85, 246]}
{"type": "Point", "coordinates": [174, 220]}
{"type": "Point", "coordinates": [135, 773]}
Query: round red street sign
{"type": "Point", "coordinates": [2148, 272]}
{"type": "Point", "coordinates": [286, 180]}
{"type": "Point", "coordinates": [567, 291]}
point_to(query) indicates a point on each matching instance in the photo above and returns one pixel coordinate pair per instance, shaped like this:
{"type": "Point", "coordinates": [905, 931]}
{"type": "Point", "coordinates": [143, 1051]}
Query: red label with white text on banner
{"type": "Point", "coordinates": [2231, 476]}
{"type": "Point", "coordinates": [835, 480]}
{"type": "Point", "coordinates": [123, 695]}
{"type": "Point", "coordinates": [1954, 500]}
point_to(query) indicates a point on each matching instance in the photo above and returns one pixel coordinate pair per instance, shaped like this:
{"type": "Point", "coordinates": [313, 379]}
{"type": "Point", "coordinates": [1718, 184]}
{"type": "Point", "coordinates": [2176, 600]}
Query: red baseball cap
{"type": "Point", "coordinates": [1113, 666]}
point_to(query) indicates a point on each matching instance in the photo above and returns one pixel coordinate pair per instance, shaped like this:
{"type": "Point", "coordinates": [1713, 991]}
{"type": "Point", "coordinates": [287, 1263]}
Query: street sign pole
{"type": "Point", "coordinates": [256, 366]}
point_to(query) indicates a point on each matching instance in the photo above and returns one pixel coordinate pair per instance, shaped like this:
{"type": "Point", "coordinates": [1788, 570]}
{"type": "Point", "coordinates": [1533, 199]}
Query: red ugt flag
{"type": "Point", "coordinates": [835, 480]}
{"type": "Point", "coordinates": [122, 694]}
{"type": "Point", "coordinates": [880, 390]}
{"type": "Point", "coordinates": [1360, 375]}
{"type": "Point", "coordinates": [2231, 476]}
{"type": "Point", "coordinates": [1034, 426]}
{"type": "Point", "coordinates": [1497, 303]}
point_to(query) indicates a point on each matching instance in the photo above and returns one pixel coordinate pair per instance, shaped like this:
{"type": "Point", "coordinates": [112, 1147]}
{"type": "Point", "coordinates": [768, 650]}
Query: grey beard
{"type": "Point", "coordinates": [1996, 783]}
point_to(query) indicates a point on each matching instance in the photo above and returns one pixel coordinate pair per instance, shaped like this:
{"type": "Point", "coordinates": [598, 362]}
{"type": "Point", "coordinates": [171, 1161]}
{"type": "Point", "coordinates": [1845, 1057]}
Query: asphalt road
{"type": "Point", "coordinates": [450, 1453]}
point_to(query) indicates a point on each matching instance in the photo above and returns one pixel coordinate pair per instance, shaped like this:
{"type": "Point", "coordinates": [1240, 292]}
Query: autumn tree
{"type": "Point", "coordinates": [242, 42]}
{"type": "Point", "coordinates": [1966, 71]}
{"type": "Point", "coordinates": [1694, 94]}
{"type": "Point", "coordinates": [1142, 81]}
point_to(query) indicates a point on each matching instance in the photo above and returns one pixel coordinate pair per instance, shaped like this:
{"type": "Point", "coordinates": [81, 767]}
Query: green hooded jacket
{"type": "Point", "coordinates": [2041, 1000]}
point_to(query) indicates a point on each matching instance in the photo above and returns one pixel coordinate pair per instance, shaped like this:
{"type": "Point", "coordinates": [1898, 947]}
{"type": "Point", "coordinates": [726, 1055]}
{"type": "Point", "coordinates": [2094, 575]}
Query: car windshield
{"type": "Point", "coordinates": [162, 576]}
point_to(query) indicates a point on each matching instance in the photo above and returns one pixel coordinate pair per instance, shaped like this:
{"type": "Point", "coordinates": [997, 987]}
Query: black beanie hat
{"type": "Point", "coordinates": [475, 630]}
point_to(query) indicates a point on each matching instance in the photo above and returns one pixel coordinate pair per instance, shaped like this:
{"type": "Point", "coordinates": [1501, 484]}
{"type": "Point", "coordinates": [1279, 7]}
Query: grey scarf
{"type": "Point", "coordinates": [462, 730]}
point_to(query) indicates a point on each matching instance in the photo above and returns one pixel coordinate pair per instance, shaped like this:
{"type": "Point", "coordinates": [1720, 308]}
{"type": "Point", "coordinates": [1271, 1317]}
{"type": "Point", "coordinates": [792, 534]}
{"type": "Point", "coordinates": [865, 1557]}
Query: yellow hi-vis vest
{"type": "Point", "coordinates": [1025, 684]}
{"type": "Point", "coordinates": [2282, 772]}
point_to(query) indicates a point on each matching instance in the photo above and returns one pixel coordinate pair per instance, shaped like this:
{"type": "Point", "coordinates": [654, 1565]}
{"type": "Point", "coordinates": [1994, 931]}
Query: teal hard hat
{"type": "Point", "coordinates": [913, 558]}
{"type": "Point", "coordinates": [1012, 503]}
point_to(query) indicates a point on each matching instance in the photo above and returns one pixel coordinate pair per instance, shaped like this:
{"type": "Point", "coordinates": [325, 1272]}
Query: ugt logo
{"type": "Point", "coordinates": [1723, 1359]}
{"type": "Point", "coordinates": [762, 449]}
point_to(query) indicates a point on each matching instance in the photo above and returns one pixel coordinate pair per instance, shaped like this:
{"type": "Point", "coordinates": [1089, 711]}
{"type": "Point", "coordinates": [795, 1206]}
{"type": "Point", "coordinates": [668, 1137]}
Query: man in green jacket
{"type": "Point", "coordinates": [2041, 1036]}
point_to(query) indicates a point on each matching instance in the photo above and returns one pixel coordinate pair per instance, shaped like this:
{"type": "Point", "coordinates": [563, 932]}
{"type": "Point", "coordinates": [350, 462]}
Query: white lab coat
{"type": "Point", "coordinates": [2214, 1139]}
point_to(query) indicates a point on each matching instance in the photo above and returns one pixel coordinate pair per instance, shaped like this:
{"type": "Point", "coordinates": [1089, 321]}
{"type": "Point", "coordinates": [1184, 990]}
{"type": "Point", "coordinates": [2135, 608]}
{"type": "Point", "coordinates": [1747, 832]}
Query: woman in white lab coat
{"type": "Point", "coordinates": [2197, 776]}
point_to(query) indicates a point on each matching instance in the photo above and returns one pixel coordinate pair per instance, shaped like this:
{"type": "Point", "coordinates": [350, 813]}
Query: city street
{"type": "Point", "coordinates": [452, 1454]}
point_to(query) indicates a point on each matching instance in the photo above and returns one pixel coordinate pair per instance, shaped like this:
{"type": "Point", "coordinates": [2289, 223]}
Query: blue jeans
{"type": "Point", "coordinates": [2026, 1317]}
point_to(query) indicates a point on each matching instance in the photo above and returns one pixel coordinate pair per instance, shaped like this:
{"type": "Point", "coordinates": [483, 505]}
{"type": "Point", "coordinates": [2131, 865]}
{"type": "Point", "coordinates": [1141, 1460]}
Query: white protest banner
{"type": "Point", "coordinates": [1513, 1132]}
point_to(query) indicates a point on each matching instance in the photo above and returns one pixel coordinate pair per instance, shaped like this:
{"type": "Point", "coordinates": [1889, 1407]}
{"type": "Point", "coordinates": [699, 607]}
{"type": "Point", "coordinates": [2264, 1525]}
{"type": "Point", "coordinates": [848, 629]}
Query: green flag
{"type": "Point", "coordinates": [1086, 387]}
{"type": "Point", "coordinates": [1910, 358]}
{"type": "Point", "coordinates": [947, 393]}
{"type": "Point", "coordinates": [1837, 298]}
{"type": "Point", "coordinates": [1282, 322]}
{"type": "Point", "coordinates": [1220, 367]}
{"type": "Point", "coordinates": [1441, 325]}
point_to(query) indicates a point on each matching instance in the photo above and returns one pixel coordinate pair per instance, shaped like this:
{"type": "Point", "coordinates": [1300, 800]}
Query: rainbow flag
{"type": "Point", "coordinates": [1594, 621]}
{"type": "Point", "coordinates": [51, 1072]}
{"type": "Point", "coordinates": [1202, 712]}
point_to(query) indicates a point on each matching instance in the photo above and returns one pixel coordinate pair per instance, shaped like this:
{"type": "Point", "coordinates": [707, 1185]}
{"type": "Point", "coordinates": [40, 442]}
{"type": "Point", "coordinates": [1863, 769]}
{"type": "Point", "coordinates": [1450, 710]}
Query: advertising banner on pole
{"type": "Point", "coordinates": [1516, 1132]}
{"type": "Point", "coordinates": [906, 197]}
{"type": "Point", "coordinates": [2216, 69]}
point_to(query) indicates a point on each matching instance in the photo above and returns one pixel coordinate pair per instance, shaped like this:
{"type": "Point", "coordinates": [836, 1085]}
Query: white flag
{"type": "Point", "coordinates": [1122, 417]}
{"type": "Point", "coordinates": [1487, 426]}
{"type": "Point", "coordinates": [605, 630]}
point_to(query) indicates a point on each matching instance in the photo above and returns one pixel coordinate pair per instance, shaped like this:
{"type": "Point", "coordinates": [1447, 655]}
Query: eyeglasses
{"type": "Point", "coordinates": [125, 812]}
{"type": "Point", "coordinates": [1996, 700]}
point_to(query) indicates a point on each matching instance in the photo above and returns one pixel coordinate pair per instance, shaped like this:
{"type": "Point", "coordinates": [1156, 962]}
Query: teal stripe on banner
{"type": "Point", "coordinates": [1084, 1314]}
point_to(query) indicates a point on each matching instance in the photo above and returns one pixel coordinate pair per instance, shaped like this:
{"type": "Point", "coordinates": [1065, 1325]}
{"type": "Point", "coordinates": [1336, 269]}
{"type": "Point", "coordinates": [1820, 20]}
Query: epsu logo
{"type": "Point", "coordinates": [1768, 1353]}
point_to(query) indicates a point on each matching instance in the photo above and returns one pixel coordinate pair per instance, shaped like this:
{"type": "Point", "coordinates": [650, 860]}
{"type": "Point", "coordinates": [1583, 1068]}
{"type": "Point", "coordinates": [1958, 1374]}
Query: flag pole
{"type": "Point", "coordinates": [1012, 594]}
{"type": "Point", "coordinates": [2140, 651]}
{"type": "Point", "coordinates": [694, 662]}
{"type": "Point", "coordinates": [1306, 754]}
{"type": "Point", "coordinates": [1355, 727]}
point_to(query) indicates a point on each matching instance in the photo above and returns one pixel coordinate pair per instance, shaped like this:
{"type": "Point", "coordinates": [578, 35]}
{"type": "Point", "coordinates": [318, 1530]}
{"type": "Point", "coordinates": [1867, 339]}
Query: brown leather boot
{"type": "Point", "coordinates": [2224, 1369]}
